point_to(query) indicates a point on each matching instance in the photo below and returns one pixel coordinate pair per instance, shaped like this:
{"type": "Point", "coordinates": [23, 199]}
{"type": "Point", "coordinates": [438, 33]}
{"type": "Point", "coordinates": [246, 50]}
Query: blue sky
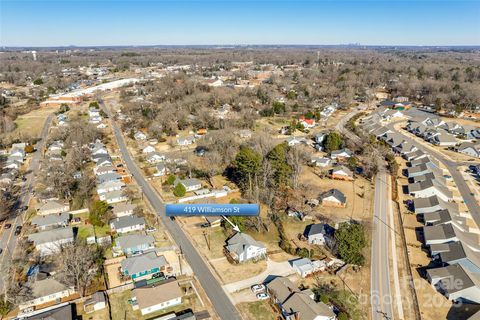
{"type": "Point", "coordinates": [82, 23]}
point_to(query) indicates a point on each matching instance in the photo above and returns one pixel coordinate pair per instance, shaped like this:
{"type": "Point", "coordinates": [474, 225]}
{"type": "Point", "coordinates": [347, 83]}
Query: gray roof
{"type": "Point", "coordinates": [423, 185]}
{"type": "Point", "coordinates": [454, 278]}
{"type": "Point", "coordinates": [110, 176]}
{"type": "Point", "coordinates": [46, 287]}
{"type": "Point", "coordinates": [457, 251]}
{"type": "Point", "coordinates": [335, 193]}
{"type": "Point", "coordinates": [114, 194]}
{"type": "Point", "coordinates": [127, 221]}
{"type": "Point", "coordinates": [62, 313]}
{"type": "Point", "coordinates": [306, 307]}
{"type": "Point", "coordinates": [143, 262]}
{"type": "Point", "coordinates": [134, 240]}
{"type": "Point", "coordinates": [122, 207]}
{"type": "Point", "coordinates": [51, 219]}
{"type": "Point", "coordinates": [318, 228]}
{"type": "Point", "coordinates": [281, 288]}
{"type": "Point", "coordinates": [343, 168]}
{"type": "Point", "coordinates": [439, 232]}
{"type": "Point", "coordinates": [188, 182]}
{"type": "Point", "coordinates": [50, 205]}
{"type": "Point", "coordinates": [51, 235]}
{"type": "Point", "coordinates": [434, 201]}
{"type": "Point", "coordinates": [240, 241]}
{"type": "Point", "coordinates": [438, 217]}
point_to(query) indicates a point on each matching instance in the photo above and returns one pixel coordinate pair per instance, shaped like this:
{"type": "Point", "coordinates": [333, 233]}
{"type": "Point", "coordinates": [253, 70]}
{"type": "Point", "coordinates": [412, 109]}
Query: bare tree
{"type": "Point", "coordinates": [78, 264]}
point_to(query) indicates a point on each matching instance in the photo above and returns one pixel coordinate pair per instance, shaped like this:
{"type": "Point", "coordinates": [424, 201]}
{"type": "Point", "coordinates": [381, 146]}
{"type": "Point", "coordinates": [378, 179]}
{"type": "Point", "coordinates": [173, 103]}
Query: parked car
{"type": "Point", "coordinates": [257, 288]}
{"type": "Point", "coordinates": [76, 220]}
{"type": "Point", "coordinates": [205, 225]}
{"type": "Point", "coordinates": [151, 229]}
{"type": "Point", "coordinates": [262, 296]}
{"type": "Point", "coordinates": [18, 230]}
{"type": "Point", "coordinates": [7, 226]}
{"type": "Point", "coordinates": [1, 250]}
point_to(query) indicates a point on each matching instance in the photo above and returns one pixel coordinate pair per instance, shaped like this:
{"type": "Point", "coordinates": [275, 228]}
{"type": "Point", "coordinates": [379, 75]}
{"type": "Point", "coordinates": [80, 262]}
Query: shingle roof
{"type": "Point", "coordinates": [127, 221]}
{"type": "Point", "coordinates": [142, 263]}
{"type": "Point", "coordinates": [51, 219]}
{"type": "Point", "coordinates": [134, 240]}
{"type": "Point", "coordinates": [240, 241]}
{"type": "Point", "coordinates": [51, 235]}
{"type": "Point", "coordinates": [335, 193]}
{"type": "Point", "coordinates": [153, 295]}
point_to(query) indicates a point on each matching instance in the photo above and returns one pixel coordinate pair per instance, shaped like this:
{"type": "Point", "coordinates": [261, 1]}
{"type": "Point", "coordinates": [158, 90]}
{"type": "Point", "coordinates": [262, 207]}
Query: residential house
{"type": "Point", "coordinates": [112, 176]}
{"type": "Point", "coordinates": [443, 233]}
{"type": "Point", "coordinates": [320, 161]}
{"type": "Point", "coordinates": [440, 217]}
{"type": "Point", "coordinates": [185, 141]}
{"type": "Point", "coordinates": [65, 312]}
{"type": "Point", "coordinates": [127, 224]}
{"type": "Point", "coordinates": [458, 253]}
{"type": "Point", "coordinates": [189, 184]}
{"type": "Point", "coordinates": [470, 149]}
{"type": "Point", "coordinates": [104, 170]}
{"type": "Point", "coordinates": [296, 304]}
{"type": "Point", "coordinates": [428, 188]}
{"type": "Point", "coordinates": [156, 297]}
{"type": "Point", "coordinates": [161, 170]}
{"type": "Point", "coordinates": [333, 198]}
{"type": "Point", "coordinates": [52, 207]}
{"type": "Point", "coordinates": [140, 136]}
{"type": "Point", "coordinates": [432, 204]}
{"type": "Point", "coordinates": [213, 221]}
{"type": "Point", "coordinates": [293, 141]}
{"type": "Point", "coordinates": [444, 140]}
{"type": "Point", "coordinates": [341, 154]}
{"type": "Point", "coordinates": [341, 173]}
{"type": "Point", "coordinates": [143, 266]}
{"type": "Point", "coordinates": [319, 234]}
{"type": "Point", "coordinates": [51, 221]}
{"type": "Point", "coordinates": [456, 283]}
{"type": "Point", "coordinates": [155, 157]}
{"type": "Point", "coordinates": [305, 267]}
{"type": "Point", "coordinates": [123, 209]}
{"type": "Point", "coordinates": [243, 247]}
{"type": "Point", "coordinates": [110, 186]}
{"type": "Point", "coordinates": [307, 123]}
{"type": "Point", "coordinates": [45, 290]}
{"type": "Point", "coordinates": [134, 243]}
{"type": "Point", "coordinates": [50, 241]}
{"type": "Point", "coordinates": [148, 149]}
{"type": "Point", "coordinates": [95, 303]}
{"type": "Point", "coordinates": [113, 197]}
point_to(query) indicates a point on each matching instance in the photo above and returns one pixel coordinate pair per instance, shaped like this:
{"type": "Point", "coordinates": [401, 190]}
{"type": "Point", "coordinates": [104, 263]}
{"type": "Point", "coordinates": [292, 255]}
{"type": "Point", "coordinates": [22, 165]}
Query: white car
{"type": "Point", "coordinates": [258, 288]}
{"type": "Point", "coordinates": [262, 296]}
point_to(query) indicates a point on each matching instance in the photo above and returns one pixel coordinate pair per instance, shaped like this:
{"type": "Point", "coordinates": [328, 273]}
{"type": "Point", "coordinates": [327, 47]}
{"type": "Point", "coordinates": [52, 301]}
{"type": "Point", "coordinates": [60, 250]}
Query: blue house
{"type": "Point", "coordinates": [143, 266]}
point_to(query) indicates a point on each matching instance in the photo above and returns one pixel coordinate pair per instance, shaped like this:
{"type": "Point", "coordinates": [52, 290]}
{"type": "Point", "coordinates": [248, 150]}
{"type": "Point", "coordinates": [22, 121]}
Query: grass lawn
{"type": "Point", "coordinates": [32, 123]}
{"type": "Point", "coordinates": [85, 231]}
{"type": "Point", "coordinates": [259, 310]}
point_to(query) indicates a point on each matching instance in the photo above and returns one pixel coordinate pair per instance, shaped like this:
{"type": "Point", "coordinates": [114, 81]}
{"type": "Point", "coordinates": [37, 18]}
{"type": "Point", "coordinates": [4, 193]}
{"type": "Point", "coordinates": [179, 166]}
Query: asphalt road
{"type": "Point", "coordinates": [8, 240]}
{"type": "Point", "coordinates": [381, 295]}
{"type": "Point", "coordinates": [221, 302]}
{"type": "Point", "coordinates": [452, 167]}
{"type": "Point", "coordinates": [380, 290]}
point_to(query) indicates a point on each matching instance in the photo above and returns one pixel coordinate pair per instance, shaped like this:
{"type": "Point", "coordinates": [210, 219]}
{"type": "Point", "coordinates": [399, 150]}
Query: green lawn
{"type": "Point", "coordinates": [85, 231]}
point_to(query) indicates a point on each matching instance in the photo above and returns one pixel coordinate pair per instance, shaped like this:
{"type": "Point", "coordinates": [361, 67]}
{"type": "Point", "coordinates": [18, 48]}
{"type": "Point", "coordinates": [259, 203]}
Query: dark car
{"type": "Point", "coordinates": [1, 250]}
{"type": "Point", "coordinates": [18, 230]}
{"type": "Point", "coordinates": [7, 226]}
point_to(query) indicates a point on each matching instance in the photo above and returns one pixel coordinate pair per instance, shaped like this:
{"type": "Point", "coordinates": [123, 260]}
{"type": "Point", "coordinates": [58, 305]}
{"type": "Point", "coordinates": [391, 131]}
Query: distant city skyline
{"type": "Point", "coordinates": [123, 23]}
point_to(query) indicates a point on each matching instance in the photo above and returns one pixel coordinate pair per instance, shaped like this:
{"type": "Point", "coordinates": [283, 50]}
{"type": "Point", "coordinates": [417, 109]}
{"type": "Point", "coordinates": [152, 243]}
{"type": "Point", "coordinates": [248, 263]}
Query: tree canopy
{"type": "Point", "coordinates": [350, 240]}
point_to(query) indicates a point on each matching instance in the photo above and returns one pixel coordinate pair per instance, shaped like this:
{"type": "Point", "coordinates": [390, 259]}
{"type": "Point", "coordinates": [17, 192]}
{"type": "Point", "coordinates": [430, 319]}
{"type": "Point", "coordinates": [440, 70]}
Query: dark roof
{"type": "Point", "coordinates": [63, 313]}
{"type": "Point", "coordinates": [336, 193]}
{"type": "Point", "coordinates": [318, 228]}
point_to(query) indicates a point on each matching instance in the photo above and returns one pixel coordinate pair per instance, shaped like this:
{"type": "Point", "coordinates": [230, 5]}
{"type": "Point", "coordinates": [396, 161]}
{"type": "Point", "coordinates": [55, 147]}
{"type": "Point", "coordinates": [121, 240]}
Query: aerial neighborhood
{"type": "Point", "coordinates": [363, 177]}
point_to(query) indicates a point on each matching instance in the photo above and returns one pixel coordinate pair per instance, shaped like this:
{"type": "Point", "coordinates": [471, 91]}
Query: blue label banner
{"type": "Point", "coordinates": [212, 209]}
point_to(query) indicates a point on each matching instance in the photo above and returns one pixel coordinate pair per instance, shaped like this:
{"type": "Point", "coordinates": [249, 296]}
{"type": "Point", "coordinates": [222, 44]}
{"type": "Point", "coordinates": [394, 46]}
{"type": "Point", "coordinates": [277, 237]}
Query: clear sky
{"type": "Point", "coordinates": [121, 22]}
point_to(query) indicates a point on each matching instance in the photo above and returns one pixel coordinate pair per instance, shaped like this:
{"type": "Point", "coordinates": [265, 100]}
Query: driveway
{"type": "Point", "coordinates": [273, 269]}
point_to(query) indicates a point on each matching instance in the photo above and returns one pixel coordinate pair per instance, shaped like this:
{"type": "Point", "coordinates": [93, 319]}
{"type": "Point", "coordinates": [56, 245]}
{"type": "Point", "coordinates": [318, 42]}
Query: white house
{"type": "Point", "coordinates": [155, 157]}
{"type": "Point", "coordinates": [52, 207]}
{"type": "Point", "coordinates": [186, 141]}
{"type": "Point", "coordinates": [305, 267]}
{"type": "Point", "coordinates": [243, 247]}
{"type": "Point", "coordinates": [140, 136]}
{"type": "Point", "coordinates": [148, 149]}
{"type": "Point", "coordinates": [161, 170]}
{"type": "Point", "coordinates": [113, 196]}
{"type": "Point", "coordinates": [110, 186]}
{"type": "Point", "coordinates": [149, 299]}
{"type": "Point", "coordinates": [46, 290]}
{"type": "Point", "coordinates": [127, 224]}
{"type": "Point", "coordinates": [189, 184]}
{"type": "Point", "coordinates": [123, 209]}
{"type": "Point", "coordinates": [320, 161]}
{"type": "Point", "coordinates": [50, 241]}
